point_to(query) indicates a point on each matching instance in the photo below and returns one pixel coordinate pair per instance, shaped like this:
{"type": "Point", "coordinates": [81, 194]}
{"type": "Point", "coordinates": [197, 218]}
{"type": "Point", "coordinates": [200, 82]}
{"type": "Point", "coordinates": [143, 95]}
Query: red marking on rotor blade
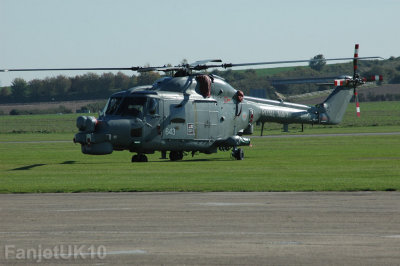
{"type": "Point", "coordinates": [356, 50]}
{"type": "Point", "coordinates": [339, 82]}
{"type": "Point", "coordinates": [357, 103]}
{"type": "Point", "coordinates": [374, 78]}
{"type": "Point", "coordinates": [355, 57]}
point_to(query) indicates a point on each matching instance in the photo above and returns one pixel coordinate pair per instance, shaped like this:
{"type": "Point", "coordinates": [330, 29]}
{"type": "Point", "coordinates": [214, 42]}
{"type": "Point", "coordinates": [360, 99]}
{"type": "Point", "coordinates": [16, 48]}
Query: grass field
{"type": "Point", "coordinates": [283, 164]}
{"type": "Point", "coordinates": [345, 163]}
{"type": "Point", "coordinates": [373, 116]}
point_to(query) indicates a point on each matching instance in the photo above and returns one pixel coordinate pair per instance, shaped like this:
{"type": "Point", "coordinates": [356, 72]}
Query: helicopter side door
{"type": "Point", "coordinates": [205, 120]}
{"type": "Point", "coordinates": [178, 118]}
{"type": "Point", "coordinates": [152, 119]}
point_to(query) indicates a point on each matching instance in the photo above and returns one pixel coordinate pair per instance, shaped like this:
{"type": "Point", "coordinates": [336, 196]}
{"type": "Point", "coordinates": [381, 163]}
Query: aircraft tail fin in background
{"type": "Point", "coordinates": [334, 107]}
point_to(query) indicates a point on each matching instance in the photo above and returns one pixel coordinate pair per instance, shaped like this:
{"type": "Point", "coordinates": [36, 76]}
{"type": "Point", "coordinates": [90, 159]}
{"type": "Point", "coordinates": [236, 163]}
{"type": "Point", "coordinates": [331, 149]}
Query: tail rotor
{"type": "Point", "coordinates": [356, 80]}
{"type": "Point", "coordinates": [356, 77]}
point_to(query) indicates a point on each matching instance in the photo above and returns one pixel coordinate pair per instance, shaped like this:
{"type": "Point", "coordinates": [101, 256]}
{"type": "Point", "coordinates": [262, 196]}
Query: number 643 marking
{"type": "Point", "coordinates": [170, 131]}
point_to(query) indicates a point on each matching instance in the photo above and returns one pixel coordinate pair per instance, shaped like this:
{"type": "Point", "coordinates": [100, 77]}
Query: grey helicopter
{"type": "Point", "coordinates": [194, 111]}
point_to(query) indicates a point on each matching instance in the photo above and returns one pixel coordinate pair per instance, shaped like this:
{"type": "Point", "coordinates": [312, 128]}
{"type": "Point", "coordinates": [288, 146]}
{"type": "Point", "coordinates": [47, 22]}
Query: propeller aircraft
{"type": "Point", "coordinates": [194, 111]}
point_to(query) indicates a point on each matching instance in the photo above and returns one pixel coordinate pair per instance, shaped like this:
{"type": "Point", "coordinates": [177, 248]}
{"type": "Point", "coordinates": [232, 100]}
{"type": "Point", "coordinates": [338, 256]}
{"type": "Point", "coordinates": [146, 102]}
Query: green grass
{"type": "Point", "coordinates": [279, 164]}
{"type": "Point", "coordinates": [373, 114]}
{"type": "Point", "coordinates": [375, 117]}
{"type": "Point", "coordinates": [284, 164]}
{"type": "Point", "coordinates": [51, 123]}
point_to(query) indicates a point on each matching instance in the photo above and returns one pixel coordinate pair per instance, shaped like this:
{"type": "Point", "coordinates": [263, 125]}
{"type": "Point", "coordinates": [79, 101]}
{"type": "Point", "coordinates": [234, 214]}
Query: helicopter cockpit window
{"type": "Point", "coordinates": [152, 106]}
{"type": "Point", "coordinates": [132, 106]}
{"type": "Point", "coordinates": [112, 105]}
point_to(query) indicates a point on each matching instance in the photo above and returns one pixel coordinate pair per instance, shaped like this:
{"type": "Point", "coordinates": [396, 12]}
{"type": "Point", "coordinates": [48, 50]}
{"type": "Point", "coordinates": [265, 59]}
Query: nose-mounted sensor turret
{"type": "Point", "coordinates": [86, 123]}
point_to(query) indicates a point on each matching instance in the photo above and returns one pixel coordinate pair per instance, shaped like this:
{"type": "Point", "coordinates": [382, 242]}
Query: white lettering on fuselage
{"type": "Point", "coordinates": [170, 131]}
{"type": "Point", "coordinates": [275, 113]}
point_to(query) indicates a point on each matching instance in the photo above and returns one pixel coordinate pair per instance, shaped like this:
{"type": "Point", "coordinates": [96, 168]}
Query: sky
{"type": "Point", "coordinates": [124, 33]}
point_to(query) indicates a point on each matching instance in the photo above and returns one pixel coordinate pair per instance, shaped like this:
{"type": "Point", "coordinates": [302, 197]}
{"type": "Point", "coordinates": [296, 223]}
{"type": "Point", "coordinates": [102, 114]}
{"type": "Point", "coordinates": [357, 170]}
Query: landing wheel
{"type": "Point", "coordinates": [238, 154]}
{"type": "Point", "coordinates": [139, 158]}
{"type": "Point", "coordinates": [175, 155]}
{"type": "Point", "coordinates": [163, 155]}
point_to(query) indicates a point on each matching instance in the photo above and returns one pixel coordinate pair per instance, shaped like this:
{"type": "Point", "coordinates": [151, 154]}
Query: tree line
{"type": "Point", "coordinates": [80, 87]}
{"type": "Point", "coordinates": [94, 86]}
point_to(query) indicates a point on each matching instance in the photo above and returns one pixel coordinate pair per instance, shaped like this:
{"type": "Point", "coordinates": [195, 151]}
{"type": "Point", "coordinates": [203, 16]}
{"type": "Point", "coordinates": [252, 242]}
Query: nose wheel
{"type": "Point", "coordinates": [140, 158]}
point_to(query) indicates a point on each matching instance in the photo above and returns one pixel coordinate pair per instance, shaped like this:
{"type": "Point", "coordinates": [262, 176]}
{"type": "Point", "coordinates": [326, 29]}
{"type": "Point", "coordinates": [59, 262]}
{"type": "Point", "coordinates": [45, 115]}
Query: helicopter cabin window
{"type": "Point", "coordinates": [132, 106]}
{"type": "Point", "coordinates": [152, 106]}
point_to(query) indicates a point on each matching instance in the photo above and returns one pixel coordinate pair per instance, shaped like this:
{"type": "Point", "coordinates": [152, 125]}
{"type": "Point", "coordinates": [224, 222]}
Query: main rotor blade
{"type": "Point", "coordinates": [303, 81]}
{"type": "Point", "coordinates": [293, 61]}
{"type": "Point", "coordinates": [195, 66]}
{"type": "Point", "coordinates": [202, 62]}
{"type": "Point", "coordinates": [70, 69]}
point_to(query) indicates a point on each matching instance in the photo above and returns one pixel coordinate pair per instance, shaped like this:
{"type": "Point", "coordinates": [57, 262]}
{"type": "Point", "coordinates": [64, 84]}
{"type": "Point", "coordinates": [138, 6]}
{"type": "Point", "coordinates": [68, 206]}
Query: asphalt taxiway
{"type": "Point", "coordinates": [309, 228]}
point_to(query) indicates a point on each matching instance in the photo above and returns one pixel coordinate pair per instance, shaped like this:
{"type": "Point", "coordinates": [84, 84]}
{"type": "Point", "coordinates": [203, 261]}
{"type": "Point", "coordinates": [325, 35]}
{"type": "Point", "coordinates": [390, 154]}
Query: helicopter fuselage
{"type": "Point", "coordinates": [201, 112]}
{"type": "Point", "coordinates": [185, 114]}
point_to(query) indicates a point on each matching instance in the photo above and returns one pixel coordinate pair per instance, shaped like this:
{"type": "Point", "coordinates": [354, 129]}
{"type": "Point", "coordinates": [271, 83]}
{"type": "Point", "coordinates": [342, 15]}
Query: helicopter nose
{"type": "Point", "coordinates": [86, 123]}
{"type": "Point", "coordinates": [93, 136]}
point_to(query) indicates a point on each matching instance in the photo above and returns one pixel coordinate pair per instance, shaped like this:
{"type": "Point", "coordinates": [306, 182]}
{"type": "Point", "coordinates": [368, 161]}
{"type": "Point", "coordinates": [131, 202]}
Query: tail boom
{"type": "Point", "coordinates": [330, 112]}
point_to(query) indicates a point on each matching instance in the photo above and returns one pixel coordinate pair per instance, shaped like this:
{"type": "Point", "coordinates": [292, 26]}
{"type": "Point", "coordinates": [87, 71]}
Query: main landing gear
{"type": "Point", "coordinates": [175, 155]}
{"type": "Point", "coordinates": [140, 157]}
{"type": "Point", "coordinates": [238, 154]}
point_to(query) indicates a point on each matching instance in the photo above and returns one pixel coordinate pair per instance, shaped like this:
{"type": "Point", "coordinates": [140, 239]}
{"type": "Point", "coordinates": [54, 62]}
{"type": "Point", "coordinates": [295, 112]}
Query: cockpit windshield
{"type": "Point", "coordinates": [132, 106]}
{"type": "Point", "coordinates": [112, 105]}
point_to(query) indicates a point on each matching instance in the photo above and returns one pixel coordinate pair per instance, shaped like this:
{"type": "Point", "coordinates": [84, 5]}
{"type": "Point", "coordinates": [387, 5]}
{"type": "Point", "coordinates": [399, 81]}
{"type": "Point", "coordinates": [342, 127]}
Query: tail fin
{"type": "Point", "coordinates": [334, 107]}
